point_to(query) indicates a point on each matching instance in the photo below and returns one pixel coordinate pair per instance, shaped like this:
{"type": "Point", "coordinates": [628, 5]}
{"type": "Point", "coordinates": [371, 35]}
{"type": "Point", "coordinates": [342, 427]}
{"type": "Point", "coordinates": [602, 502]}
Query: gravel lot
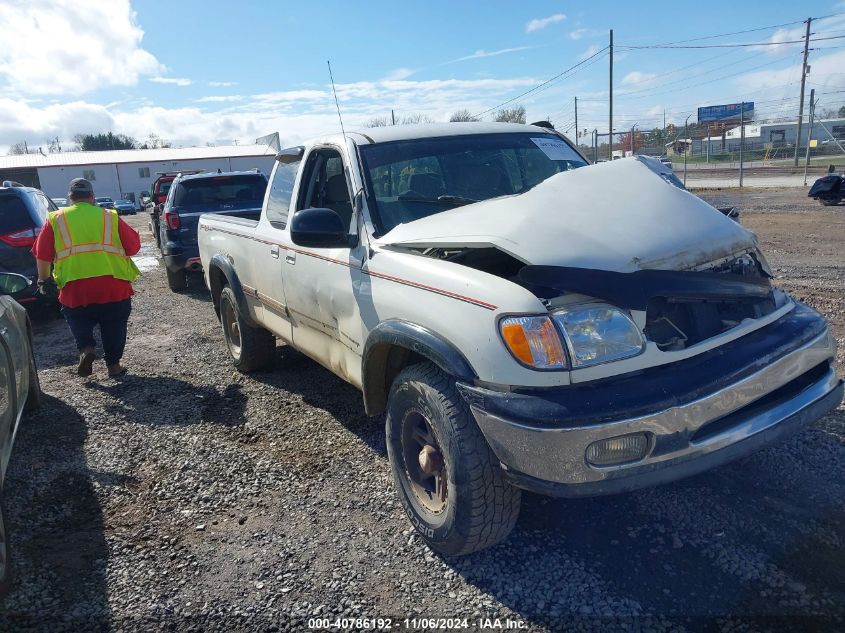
{"type": "Point", "coordinates": [190, 497]}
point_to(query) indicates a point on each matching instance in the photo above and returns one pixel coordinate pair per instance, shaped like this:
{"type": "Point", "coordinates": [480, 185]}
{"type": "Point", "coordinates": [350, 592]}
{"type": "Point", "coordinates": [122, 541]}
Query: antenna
{"type": "Point", "coordinates": [335, 99]}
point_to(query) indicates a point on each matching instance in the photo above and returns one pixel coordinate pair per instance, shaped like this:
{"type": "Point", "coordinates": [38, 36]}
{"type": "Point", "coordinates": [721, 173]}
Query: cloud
{"type": "Point", "coordinates": [636, 77]}
{"type": "Point", "coordinates": [296, 114]}
{"type": "Point", "coordinates": [591, 50]}
{"type": "Point", "coordinates": [71, 47]}
{"type": "Point", "coordinates": [578, 34]}
{"type": "Point", "coordinates": [222, 84]}
{"type": "Point", "coordinates": [219, 99]}
{"type": "Point", "coordinates": [826, 73]}
{"type": "Point", "coordinates": [482, 53]}
{"type": "Point", "coordinates": [540, 23]}
{"type": "Point", "coordinates": [175, 81]}
{"type": "Point", "coordinates": [399, 73]}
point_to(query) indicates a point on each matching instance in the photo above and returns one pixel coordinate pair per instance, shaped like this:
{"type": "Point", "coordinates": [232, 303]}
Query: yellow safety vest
{"type": "Point", "coordinates": [88, 244]}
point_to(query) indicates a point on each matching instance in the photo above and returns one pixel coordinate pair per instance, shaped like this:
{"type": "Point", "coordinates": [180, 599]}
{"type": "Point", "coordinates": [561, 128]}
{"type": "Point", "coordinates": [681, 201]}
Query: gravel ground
{"type": "Point", "coordinates": [190, 497]}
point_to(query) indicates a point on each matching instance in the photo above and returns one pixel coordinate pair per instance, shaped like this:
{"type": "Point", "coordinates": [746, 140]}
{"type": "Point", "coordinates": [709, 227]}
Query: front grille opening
{"type": "Point", "coordinates": [774, 398]}
{"type": "Point", "coordinates": [675, 324]}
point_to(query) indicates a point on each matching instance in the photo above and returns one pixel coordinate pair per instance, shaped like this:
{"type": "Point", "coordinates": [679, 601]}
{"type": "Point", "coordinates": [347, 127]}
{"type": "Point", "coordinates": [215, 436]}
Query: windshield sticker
{"type": "Point", "coordinates": [554, 148]}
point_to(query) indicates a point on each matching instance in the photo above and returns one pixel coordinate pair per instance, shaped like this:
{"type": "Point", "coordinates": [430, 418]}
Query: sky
{"type": "Point", "coordinates": [217, 72]}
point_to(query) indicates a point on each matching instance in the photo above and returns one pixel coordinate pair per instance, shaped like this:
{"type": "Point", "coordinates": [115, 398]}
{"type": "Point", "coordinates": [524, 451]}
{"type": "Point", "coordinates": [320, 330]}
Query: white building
{"type": "Point", "coordinates": [127, 173]}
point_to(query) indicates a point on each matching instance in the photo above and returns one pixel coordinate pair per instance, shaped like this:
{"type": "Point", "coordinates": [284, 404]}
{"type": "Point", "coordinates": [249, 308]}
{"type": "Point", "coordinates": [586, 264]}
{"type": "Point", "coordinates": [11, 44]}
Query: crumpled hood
{"type": "Point", "coordinates": [619, 216]}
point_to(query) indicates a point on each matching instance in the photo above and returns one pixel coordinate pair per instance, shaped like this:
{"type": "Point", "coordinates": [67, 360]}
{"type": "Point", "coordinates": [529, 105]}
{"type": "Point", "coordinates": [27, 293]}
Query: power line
{"type": "Point", "coordinates": [747, 44]}
{"type": "Point", "coordinates": [548, 81]}
{"type": "Point", "coordinates": [713, 37]}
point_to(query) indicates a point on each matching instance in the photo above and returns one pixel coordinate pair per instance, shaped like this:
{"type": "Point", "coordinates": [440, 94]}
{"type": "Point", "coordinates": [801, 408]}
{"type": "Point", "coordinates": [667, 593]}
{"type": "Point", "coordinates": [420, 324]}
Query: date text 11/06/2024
{"type": "Point", "coordinates": [386, 624]}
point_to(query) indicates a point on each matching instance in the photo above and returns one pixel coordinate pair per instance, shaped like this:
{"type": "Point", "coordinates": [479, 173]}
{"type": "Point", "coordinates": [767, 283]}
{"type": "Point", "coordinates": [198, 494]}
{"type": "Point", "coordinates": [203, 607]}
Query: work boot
{"type": "Point", "coordinates": [116, 370]}
{"type": "Point", "coordinates": [86, 361]}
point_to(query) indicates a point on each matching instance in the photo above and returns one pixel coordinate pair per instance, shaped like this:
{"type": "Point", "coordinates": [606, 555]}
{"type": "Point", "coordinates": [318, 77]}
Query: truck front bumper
{"type": "Point", "coordinates": [689, 416]}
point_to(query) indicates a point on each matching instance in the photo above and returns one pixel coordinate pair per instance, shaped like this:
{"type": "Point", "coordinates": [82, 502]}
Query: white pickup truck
{"type": "Point", "coordinates": [525, 321]}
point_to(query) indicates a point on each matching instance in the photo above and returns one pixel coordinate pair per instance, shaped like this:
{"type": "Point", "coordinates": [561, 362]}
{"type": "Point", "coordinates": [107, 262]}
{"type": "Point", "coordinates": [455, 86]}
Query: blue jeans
{"type": "Point", "coordinates": [112, 319]}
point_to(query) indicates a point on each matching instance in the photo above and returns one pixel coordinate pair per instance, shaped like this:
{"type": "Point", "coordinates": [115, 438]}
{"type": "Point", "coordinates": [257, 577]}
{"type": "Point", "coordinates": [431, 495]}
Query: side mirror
{"type": "Point", "coordinates": [319, 228]}
{"type": "Point", "coordinates": [11, 283]}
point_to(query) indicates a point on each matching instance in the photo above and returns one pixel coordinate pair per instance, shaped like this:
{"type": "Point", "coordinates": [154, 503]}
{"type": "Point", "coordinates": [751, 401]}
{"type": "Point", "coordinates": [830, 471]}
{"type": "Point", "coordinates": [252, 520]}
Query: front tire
{"type": "Point", "coordinates": [449, 481]}
{"type": "Point", "coordinates": [251, 347]}
{"type": "Point", "coordinates": [177, 281]}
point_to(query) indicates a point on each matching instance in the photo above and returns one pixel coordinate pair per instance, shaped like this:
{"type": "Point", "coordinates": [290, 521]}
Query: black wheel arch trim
{"type": "Point", "coordinates": [219, 262]}
{"type": "Point", "coordinates": [417, 339]}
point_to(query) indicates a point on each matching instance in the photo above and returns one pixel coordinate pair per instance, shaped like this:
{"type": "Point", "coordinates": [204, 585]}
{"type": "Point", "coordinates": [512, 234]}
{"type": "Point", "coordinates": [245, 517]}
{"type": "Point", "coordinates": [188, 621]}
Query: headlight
{"type": "Point", "coordinates": [598, 333]}
{"type": "Point", "coordinates": [533, 341]}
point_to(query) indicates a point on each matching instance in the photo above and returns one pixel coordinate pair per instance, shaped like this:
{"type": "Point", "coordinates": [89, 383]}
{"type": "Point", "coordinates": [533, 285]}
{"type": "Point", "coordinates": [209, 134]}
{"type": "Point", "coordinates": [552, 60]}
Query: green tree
{"type": "Point", "coordinates": [101, 142]}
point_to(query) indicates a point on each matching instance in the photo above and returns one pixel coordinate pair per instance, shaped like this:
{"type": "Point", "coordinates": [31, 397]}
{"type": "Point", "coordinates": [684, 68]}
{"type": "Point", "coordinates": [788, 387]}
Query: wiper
{"type": "Point", "coordinates": [445, 199]}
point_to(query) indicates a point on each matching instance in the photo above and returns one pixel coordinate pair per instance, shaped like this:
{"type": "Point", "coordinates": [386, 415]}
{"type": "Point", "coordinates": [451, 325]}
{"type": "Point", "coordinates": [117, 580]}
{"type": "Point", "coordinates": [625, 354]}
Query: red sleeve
{"type": "Point", "coordinates": [45, 246]}
{"type": "Point", "coordinates": [129, 238]}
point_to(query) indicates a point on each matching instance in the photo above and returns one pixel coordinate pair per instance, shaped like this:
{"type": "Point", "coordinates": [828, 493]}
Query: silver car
{"type": "Point", "coordinates": [20, 389]}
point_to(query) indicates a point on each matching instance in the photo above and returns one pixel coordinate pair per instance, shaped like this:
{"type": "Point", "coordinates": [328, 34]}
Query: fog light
{"type": "Point", "coordinates": [618, 450]}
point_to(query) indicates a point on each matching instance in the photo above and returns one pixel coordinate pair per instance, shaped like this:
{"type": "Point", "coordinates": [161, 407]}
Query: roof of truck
{"type": "Point", "coordinates": [389, 133]}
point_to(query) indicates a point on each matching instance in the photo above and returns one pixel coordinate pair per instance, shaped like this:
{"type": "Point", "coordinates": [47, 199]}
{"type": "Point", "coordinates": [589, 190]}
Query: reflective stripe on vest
{"type": "Point", "coordinates": [87, 244]}
{"type": "Point", "coordinates": [105, 247]}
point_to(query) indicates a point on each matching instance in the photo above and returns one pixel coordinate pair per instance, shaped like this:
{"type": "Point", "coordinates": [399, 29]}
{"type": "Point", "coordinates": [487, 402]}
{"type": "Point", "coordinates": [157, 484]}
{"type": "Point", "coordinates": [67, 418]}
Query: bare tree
{"type": "Point", "coordinates": [18, 148]}
{"type": "Point", "coordinates": [379, 121]}
{"type": "Point", "coordinates": [511, 115]}
{"type": "Point", "coordinates": [416, 117]}
{"type": "Point", "coordinates": [462, 116]}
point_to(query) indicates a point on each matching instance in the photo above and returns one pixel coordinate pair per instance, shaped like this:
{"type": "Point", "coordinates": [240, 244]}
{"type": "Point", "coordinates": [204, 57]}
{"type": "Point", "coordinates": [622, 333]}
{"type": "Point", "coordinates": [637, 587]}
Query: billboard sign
{"type": "Point", "coordinates": [728, 112]}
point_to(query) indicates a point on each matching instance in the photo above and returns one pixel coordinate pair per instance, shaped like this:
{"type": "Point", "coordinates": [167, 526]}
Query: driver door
{"type": "Point", "coordinates": [320, 284]}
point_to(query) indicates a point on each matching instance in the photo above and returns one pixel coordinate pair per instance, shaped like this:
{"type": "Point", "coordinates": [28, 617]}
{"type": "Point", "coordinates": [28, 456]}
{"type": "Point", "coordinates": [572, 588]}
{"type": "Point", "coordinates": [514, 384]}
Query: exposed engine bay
{"type": "Point", "coordinates": [682, 307]}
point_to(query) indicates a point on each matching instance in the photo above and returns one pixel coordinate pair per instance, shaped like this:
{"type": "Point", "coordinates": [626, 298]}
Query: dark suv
{"type": "Point", "coordinates": [23, 212]}
{"type": "Point", "coordinates": [238, 193]}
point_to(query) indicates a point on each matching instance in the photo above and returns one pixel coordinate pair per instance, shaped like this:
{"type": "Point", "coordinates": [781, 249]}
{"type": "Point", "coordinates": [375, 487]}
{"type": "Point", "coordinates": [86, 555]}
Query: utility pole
{"type": "Point", "coordinates": [610, 111]}
{"type": "Point", "coordinates": [741, 138]}
{"type": "Point", "coordinates": [809, 132]}
{"type": "Point", "coordinates": [595, 146]}
{"type": "Point", "coordinates": [392, 118]}
{"type": "Point", "coordinates": [686, 147]}
{"type": "Point", "coordinates": [663, 133]}
{"type": "Point", "coordinates": [708, 143]}
{"type": "Point", "coordinates": [576, 121]}
{"type": "Point", "coordinates": [803, 79]}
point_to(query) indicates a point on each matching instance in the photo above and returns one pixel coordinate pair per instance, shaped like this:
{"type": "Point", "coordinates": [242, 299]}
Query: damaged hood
{"type": "Point", "coordinates": [619, 216]}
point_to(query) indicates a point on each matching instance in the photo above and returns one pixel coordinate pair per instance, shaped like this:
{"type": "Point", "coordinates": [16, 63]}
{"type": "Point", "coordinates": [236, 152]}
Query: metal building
{"type": "Point", "coordinates": [127, 173]}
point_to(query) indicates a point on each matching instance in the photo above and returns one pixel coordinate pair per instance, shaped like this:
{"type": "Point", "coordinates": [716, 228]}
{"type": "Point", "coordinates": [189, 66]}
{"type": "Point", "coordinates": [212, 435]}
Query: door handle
{"type": "Point", "coordinates": [274, 252]}
{"type": "Point", "coordinates": [290, 258]}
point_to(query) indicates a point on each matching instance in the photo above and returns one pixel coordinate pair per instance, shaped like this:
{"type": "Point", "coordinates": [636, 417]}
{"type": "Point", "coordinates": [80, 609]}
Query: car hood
{"type": "Point", "coordinates": [620, 216]}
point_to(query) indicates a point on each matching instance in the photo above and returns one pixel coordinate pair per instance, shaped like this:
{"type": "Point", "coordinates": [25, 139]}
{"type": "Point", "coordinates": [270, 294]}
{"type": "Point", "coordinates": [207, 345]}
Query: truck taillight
{"type": "Point", "coordinates": [172, 220]}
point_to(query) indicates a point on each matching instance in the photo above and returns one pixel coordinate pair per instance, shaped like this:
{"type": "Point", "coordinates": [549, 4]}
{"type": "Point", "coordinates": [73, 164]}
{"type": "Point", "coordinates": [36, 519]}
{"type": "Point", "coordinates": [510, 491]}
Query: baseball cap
{"type": "Point", "coordinates": [80, 186]}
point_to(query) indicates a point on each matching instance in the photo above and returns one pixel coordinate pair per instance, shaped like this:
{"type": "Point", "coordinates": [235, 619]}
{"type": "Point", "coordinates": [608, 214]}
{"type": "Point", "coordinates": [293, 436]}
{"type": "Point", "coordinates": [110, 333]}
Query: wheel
{"type": "Point", "coordinates": [34, 395]}
{"type": "Point", "coordinates": [177, 281]}
{"type": "Point", "coordinates": [448, 479]}
{"type": "Point", "coordinates": [251, 347]}
{"type": "Point", "coordinates": [5, 562]}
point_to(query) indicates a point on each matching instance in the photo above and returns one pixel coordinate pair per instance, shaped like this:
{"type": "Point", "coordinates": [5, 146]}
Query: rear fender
{"type": "Point", "coordinates": [221, 273]}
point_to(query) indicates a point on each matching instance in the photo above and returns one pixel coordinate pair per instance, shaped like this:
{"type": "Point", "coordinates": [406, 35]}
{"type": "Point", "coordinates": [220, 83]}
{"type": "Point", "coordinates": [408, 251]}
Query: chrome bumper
{"type": "Point", "coordinates": [681, 442]}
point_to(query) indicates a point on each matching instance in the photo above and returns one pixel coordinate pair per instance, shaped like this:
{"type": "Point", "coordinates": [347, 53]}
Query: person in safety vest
{"type": "Point", "coordinates": [89, 249]}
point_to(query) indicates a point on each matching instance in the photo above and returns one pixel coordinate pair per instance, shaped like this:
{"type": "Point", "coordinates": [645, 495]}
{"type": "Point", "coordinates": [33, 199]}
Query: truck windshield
{"type": "Point", "coordinates": [239, 190]}
{"type": "Point", "coordinates": [412, 179]}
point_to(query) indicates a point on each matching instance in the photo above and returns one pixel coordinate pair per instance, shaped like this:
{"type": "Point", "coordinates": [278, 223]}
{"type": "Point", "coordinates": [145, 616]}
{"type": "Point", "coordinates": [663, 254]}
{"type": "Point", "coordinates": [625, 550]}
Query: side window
{"type": "Point", "coordinates": [281, 191]}
{"type": "Point", "coordinates": [324, 184]}
{"type": "Point", "coordinates": [40, 204]}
